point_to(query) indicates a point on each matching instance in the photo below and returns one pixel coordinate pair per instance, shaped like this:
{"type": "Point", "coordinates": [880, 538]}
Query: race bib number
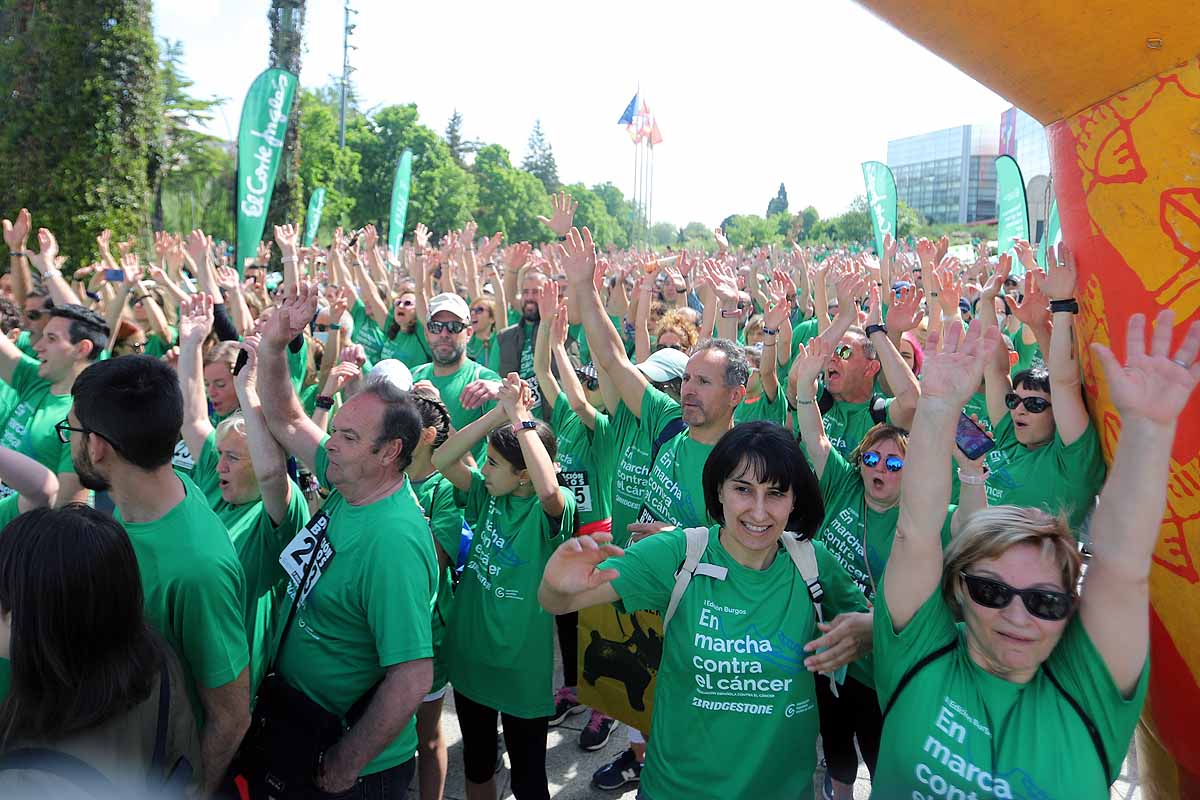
{"type": "Point", "coordinates": [644, 516]}
{"type": "Point", "coordinates": [302, 549]}
{"type": "Point", "coordinates": [537, 392]}
{"type": "Point", "coordinates": [182, 459]}
{"type": "Point", "coordinates": [577, 483]}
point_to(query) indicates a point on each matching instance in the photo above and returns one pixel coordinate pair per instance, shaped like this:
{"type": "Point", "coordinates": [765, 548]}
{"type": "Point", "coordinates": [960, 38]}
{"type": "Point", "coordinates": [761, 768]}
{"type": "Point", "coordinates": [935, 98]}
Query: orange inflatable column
{"type": "Point", "coordinates": [1127, 179]}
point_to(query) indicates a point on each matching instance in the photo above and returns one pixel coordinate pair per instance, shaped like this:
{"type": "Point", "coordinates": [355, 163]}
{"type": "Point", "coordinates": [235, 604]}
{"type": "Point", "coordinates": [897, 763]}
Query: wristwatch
{"type": "Point", "coordinates": [524, 425]}
{"type": "Point", "coordinates": [1070, 305]}
{"type": "Point", "coordinates": [870, 329]}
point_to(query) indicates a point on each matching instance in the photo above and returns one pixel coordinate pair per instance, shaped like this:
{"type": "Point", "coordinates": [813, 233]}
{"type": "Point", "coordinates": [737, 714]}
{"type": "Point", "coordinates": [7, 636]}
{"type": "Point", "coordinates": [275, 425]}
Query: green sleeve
{"type": "Point", "coordinates": [212, 631]}
{"type": "Point", "coordinates": [1080, 669]}
{"type": "Point", "coordinates": [841, 593]}
{"type": "Point", "coordinates": [259, 551]}
{"type": "Point", "coordinates": [658, 410]}
{"type": "Point", "coordinates": [445, 518]}
{"type": "Point", "coordinates": [25, 375]}
{"type": "Point", "coordinates": [1082, 459]}
{"type": "Point", "coordinates": [298, 363]}
{"type": "Point", "coordinates": [647, 571]}
{"type": "Point", "coordinates": [474, 500]}
{"type": "Point", "coordinates": [514, 316]}
{"type": "Point", "coordinates": [9, 510]}
{"type": "Point", "coordinates": [930, 628]}
{"type": "Point", "coordinates": [204, 474]}
{"type": "Point", "coordinates": [397, 591]}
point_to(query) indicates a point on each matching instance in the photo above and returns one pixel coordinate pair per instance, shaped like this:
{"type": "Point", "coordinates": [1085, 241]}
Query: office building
{"type": "Point", "coordinates": [948, 176]}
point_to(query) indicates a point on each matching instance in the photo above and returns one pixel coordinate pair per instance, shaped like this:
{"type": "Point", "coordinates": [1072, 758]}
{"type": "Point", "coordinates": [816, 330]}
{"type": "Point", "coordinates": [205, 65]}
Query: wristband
{"type": "Point", "coordinates": [973, 480]}
{"type": "Point", "coordinates": [324, 401]}
{"type": "Point", "coordinates": [870, 329]}
{"type": "Point", "coordinates": [335, 326]}
{"type": "Point", "coordinates": [807, 402]}
{"type": "Point", "coordinates": [18, 254]}
{"type": "Point", "coordinates": [770, 331]}
{"type": "Point", "coordinates": [53, 272]}
{"type": "Point", "coordinates": [1070, 306]}
{"type": "Point", "coordinates": [524, 425]}
{"type": "Point", "coordinates": [727, 313]}
{"type": "Point", "coordinates": [291, 260]}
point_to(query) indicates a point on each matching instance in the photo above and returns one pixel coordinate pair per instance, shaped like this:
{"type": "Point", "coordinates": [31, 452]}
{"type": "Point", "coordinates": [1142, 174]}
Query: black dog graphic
{"type": "Point", "coordinates": [631, 662]}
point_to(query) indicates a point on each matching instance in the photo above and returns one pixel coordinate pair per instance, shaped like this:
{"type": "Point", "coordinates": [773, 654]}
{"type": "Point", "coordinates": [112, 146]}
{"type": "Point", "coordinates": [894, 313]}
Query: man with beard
{"type": "Point", "coordinates": [122, 428]}
{"type": "Point", "coordinates": [448, 330]}
{"type": "Point", "coordinates": [516, 341]}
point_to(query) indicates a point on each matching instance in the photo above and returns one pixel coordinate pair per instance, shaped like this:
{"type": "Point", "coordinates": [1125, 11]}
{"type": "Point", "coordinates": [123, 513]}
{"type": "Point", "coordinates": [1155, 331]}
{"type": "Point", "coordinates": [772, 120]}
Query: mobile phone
{"type": "Point", "coordinates": [971, 439]}
{"type": "Point", "coordinates": [114, 275]}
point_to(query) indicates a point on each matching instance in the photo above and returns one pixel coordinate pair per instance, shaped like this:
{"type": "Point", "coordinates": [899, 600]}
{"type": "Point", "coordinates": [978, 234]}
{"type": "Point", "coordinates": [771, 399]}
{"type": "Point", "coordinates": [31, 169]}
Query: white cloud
{"type": "Point", "coordinates": [747, 94]}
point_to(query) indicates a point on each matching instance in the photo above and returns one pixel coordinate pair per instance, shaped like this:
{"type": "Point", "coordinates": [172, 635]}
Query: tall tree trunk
{"type": "Point", "coordinates": [286, 18]}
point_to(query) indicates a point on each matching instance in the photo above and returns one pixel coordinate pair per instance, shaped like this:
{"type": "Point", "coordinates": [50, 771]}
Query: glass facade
{"type": "Point", "coordinates": [1027, 143]}
{"type": "Point", "coordinates": [948, 176]}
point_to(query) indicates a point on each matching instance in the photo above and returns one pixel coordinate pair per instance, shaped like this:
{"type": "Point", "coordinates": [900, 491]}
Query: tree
{"type": "Point", "coordinates": [81, 116]}
{"type": "Point", "coordinates": [808, 220]}
{"type": "Point", "coordinates": [908, 219]}
{"type": "Point", "coordinates": [200, 193]}
{"type": "Point", "coordinates": [593, 214]}
{"type": "Point", "coordinates": [779, 203]}
{"type": "Point", "coordinates": [697, 235]}
{"type": "Point", "coordinates": [325, 163]}
{"type": "Point", "coordinates": [459, 147]}
{"type": "Point", "coordinates": [855, 224]}
{"type": "Point", "coordinates": [509, 199]}
{"type": "Point", "coordinates": [620, 209]}
{"type": "Point", "coordinates": [751, 230]}
{"type": "Point", "coordinates": [539, 162]}
{"type": "Point", "coordinates": [663, 234]}
{"type": "Point", "coordinates": [286, 19]}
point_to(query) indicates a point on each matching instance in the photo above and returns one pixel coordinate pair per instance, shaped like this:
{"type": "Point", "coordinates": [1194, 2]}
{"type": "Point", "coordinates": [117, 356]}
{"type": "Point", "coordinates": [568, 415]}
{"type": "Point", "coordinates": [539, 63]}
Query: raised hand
{"type": "Point", "coordinates": [285, 236]}
{"type": "Point", "coordinates": [874, 308]}
{"type": "Point", "coordinates": [810, 360]}
{"type": "Point", "coordinates": [353, 354]}
{"type": "Point", "coordinates": [371, 236]}
{"type": "Point", "coordinates": [954, 362]}
{"type": "Point", "coordinates": [422, 236]}
{"type": "Point", "coordinates": [516, 255]}
{"type": "Point", "coordinates": [130, 269]}
{"type": "Point", "coordinates": [227, 279]}
{"type": "Point", "coordinates": [162, 243]}
{"type": "Point", "coordinates": [578, 257]}
{"type": "Point", "coordinates": [510, 395]}
{"type": "Point", "coordinates": [1152, 384]}
{"type": "Point", "coordinates": [195, 318]}
{"type": "Point", "coordinates": [197, 248]}
{"type": "Point", "coordinates": [489, 246]}
{"type": "Point", "coordinates": [777, 314]}
{"type": "Point", "coordinates": [1060, 280]}
{"type": "Point", "coordinates": [722, 242]}
{"type": "Point", "coordinates": [559, 324]}
{"type": "Point", "coordinates": [16, 234]}
{"type": "Point", "coordinates": [547, 300]}
{"type": "Point", "coordinates": [263, 255]}
{"type": "Point", "coordinates": [564, 213]}
{"type": "Point", "coordinates": [926, 252]}
{"type": "Point", "coordinates": [949, 284]}
{"type": "Point", "coordinates": [849, 288]}
{"type": "Point", "coordinates": [1025, 254]}
{"type": "Point", "coordinates": [47, 259]}
{"type": "Point", "coordinates": [995, 282]}
{"type": "Point", "coordinates": [247, 377]}
{"type": "Point", "coordinates": [572, 568]}
{"type": "Point", "coordinates": [292, 316]}
{"type": "Point", "coordinates": [1034, 309]}
{"type": "Point", "coordinates": [905, 314]}
{"type": "Point", "coordinates": [340, 374]}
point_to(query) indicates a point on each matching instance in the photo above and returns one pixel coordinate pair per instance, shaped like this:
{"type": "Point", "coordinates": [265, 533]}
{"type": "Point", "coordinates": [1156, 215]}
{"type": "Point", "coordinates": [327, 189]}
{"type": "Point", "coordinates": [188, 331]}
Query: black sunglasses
{"type": "Point", "coordinates": [1034, 405]}
{"type": "Point", "coordinates": [479, 309]}
{"type": "Point", "coordinates": [1043, 604]}
{"type": "Point", "coordinates": [590, 381]}
{"type": "Point", "coordinates": [871, 458]}
{"type": "Point", "coordinates": [454, 326]}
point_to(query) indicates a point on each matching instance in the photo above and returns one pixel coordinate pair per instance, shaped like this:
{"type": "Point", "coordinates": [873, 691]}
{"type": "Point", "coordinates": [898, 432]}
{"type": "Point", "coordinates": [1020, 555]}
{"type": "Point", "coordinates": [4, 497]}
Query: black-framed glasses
{"type": "Point", "coordinates": [844, 352]}
{"type": "Point", "coordinates": [1041, 603]}
{"type": "Point", "coordinates": [1034, 405]}
{"type": "Point", "coordinates": [591, 382]}
{"type": "Point", "coordinates": [34, 314]}
{"type": "Point", "coordinates": [870, 459]}
{"type": "Point", "coordinates": [64, 430]}
{"type": "Point", "coordinates": [454, 326]}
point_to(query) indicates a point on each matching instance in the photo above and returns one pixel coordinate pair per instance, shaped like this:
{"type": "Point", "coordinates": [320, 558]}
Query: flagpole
{"type": "Point", "coordinates": [650, 194]}
{"type": "Point", "coordinates": [637, 192]}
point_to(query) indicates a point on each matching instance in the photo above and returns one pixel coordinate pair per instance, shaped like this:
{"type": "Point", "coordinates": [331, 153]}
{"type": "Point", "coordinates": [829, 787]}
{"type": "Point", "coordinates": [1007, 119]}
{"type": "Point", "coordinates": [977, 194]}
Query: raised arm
{"type": "Point", "coordinates": [1070, 414]}
{"type": "Point", "coordinates": [949, 376]}
{"type": "Point", "coordinates": [36, 485]}
{"type": "Point", "coordinates": [448, 459]}
{"type": "Point", "coordinates": [775, 322]}
{"type": "Point", "coordinates": [16, 236]}
{"type": "Point", "coordinates": [810, 360]}
{"type": "Point", "coordinates": [549, 308]}
{"type": "Point", "coordinates": [195, 323]}
{"type": "Point", "coordinates": [298, 435]}
{"type": "Point", "coordinates": [579, 262]}
{"type": "Point", "coordinates": [48, 262]}
{"type": "Point", "coordinates": [266, 456]}
{"type": "Point", "coordinates": [900, 378]}
{"type": "Point", "coordinates": [235, 300]}
{"type": "Point", "coordinates": [515, 398]}
{"type": "Point", "coordinates": [641, 324]}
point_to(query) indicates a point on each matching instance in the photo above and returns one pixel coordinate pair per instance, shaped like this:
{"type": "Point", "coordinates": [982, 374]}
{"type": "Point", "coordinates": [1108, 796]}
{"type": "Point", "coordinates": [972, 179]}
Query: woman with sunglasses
{"type": "Point", "coordinates": [1051, 456]}
{"type": "Point", "coordinates": [482, 347]}
{"type": "Point", "coordinates": [862, 507]}
{"type": "Point", "coordinates": [999, 672]}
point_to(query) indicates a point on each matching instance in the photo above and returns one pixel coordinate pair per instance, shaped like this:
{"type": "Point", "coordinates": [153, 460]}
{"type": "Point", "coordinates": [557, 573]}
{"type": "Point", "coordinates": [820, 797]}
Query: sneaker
{"type": "Point", "coordinates": [595, 734]}
{"type": "Point", "coordinates": [566, 703]}
{"type": "Point", "coordinates": [622, 772]}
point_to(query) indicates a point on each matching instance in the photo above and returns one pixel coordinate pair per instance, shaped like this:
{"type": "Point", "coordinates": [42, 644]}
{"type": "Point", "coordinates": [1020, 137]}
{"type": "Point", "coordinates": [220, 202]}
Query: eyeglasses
{"type": "Point", "coordinates": [137, 347]}
{"type": "Point", "coordinates": [405, 303]}
{"type": "Point", "coordinates": [871, 458]}
{"type": "Point", "coordinates": [844, 352]}
{"type": "Point", "coordinates": [590, 381]}
{"type": "Point", "coordinates": [678, 347]}
{"type": "Point", "coordinates": [1034, 405]}
{"type": "Point", "coordinates": [479, 309]}
{"type": "Point", "coordinates": [64, 429]}
{"type": "Point", "coordinates": [34, 314]}
{"type": "Point", "coordinates": [454, 326]}
{"type": "Point", "coordinates": [1043, 604]}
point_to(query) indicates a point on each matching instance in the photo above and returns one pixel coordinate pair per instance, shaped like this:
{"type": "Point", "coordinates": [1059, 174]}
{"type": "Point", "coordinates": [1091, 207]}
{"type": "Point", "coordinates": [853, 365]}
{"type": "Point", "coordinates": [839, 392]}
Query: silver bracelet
{"type": "Point", "coordinates": [973, 480]}
{"type": "Point", "coordinates": [808, 402]}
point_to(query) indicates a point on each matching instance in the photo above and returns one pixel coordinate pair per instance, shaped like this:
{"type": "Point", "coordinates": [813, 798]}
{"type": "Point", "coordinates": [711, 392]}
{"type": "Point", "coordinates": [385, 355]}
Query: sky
{"type": "Point", "coordinates": [747, 94]}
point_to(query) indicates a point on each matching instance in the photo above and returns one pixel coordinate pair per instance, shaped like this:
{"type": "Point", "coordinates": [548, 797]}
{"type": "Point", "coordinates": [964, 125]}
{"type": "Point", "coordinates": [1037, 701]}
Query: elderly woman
{"type": "Point", "coordinates": [999, 673]}
{"type": "Point", "coordinates": [734, 668]}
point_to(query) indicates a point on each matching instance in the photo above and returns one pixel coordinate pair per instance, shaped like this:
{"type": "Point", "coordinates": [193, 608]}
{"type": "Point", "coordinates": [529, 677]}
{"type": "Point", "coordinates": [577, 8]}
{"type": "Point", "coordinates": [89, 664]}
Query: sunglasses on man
{"type": "Point", "coordinates": [843, 352]}
{"type": "Point", "coordinates": [1041, 603]}
{"type": "Point", "coordinates": [1034, 405]}
{"type": "Point", "coordinates": [454, 326]}
{"type": "Point", "coordinates": [871, 458]}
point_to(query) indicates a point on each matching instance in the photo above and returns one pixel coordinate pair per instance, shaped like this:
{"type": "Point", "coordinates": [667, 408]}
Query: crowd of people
{"type": "Point", "coordinates": [257, 525]}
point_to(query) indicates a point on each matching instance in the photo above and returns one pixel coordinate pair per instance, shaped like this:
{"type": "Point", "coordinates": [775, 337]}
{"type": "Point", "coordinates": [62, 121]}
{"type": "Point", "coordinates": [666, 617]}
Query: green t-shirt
{"type": "Point", "coordinates": [500, 642]}
{"type": "Point", "coordinates": [451, 388]}
{"type": "Point", "coordinates": [410, 349]}
{"type": "Point", "coordinates": [732, 669]}
{"type": "Point", "coordinates": [195, 590]}
{"type": "Point", "coordinates": [485, 353]}
{"type": "Point", "coordinates": [847, 423]}
{"type": "Point", "coordinates": [368, 607]}
{"type": "Point", "coordinates": [957, 730]}
{"type": "Point", "coordinates": [848, 539]}
{"type": "Point", "coordinates": [577, 457]}
{"type": "Point", "coordinates": [298, 363]}
{"type": "Point", "coordinates": [25, 344]}
{"type": "Point", "coordinates": [763, 408]}
{"type": "Point", "coordinates": [366, 332]}
{"type": "Point", "coordinates": [158, 347]}
{"type": "Point", "coordinates": [1028, 355]}
{"type": "Point", "coordinates": [436, 496]}
{"type": "Point", "coordinates": [1056, 477]}
{"type": "Point", "coordinates": [674, 491]}
{"type": "Point", "coordinates": [622, 451]}
{"type": "Point", "coordinates": [30, 426]}
{"type": "Point", "coordinates": [525, 370]}
{"type": "Point", "coordinates": [258, 541]}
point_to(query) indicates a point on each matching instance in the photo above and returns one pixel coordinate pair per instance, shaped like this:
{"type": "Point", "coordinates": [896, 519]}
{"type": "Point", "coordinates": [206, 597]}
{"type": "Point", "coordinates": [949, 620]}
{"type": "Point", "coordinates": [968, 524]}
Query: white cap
{"type": "Point", "coordinates": [664, 365]}
{"type": "Point", "coordinates": [393, 372]}
{"type": "Point", "coordinates": [449, 301]}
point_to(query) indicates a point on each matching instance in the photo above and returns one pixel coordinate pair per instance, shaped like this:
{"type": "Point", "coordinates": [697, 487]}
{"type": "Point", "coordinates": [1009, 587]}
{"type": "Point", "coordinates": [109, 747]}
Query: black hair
{"type": "Point", "coordinates": [1033, 379]}
{"type": "Point", "coordinates": [504, 441]}
{"type": "Point", "coordinates": [10, 316]}
{"type": "Point", "coordinates": [737, 368]}
{"type": "Point", "coordinates": [135, 403]}
{"type": "Point", "coordinates": [84, 324]}
{"type": "Point", "coordinates": [81, 649]}
{"type": "Point", "coordinates": [433, 415]}
{"type": "Point", "coordinates": [401, 420]}
{"type": "Point", "coordinates": [772, 456]}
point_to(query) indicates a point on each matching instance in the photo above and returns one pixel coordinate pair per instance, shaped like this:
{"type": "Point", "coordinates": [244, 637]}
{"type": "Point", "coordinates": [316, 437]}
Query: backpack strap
{"type": "Point", "coordinates": [1093, 732]}
{"type": "Point", "coordinates": [669, 432]}
{"type": "Point", "coordinates": [914, 669]}
{"type": "Point", "coordinates": [878, 409]}
{"type": "Point", "coordinates": [54, 762]}
{"type": "Point", "coordinates": [804, 556]}
{"type": "Point", "coordinates": [697, 540]}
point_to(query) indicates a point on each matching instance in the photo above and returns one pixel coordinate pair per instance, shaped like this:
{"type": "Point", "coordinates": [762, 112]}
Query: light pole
{"type": "Point", "coordinates": [346, 70]}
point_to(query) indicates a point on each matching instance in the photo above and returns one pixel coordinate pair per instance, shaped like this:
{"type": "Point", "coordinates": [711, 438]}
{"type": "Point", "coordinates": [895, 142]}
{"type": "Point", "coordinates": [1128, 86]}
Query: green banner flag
{"type": "Point", "coordinates": [882, 201]}
{"type": "Point", "coordinates": [401, 186]}
{"type": "Point", "coordinates": [1051, 236]}
{"type": "Point", "coordinates": [1011, 209]}
{"type": "Point", "coordinates": [260, 143]}
{"type": "Point", "coordinates": [316, 204]}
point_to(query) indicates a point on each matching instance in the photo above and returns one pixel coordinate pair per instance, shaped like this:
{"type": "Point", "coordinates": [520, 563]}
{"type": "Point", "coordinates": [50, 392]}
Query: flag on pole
{"type": "Point", "coordinates": [260, 144]}
{"type": "Point", "coordinates": [655, 133]}
{"type": "Point", "coordinates": [630, 110]}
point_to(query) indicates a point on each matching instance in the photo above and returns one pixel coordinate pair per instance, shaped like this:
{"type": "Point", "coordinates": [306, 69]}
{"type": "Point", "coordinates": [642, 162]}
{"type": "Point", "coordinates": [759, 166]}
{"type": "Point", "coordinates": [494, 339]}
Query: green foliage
{"type": "Point", "coordinates": [200, 193]}
{"type": "Point", "coordinates": [459, 147]}
{"type": "Point", "coordinates": [593, 213]}
{"type": "Point", "coordinates": [509, 199]}
{"type": "Point", "coordinates": [286, 20]}
{"type": "Point", "coordinates": [779, 203]}
{"type": "Point", "coordinates": [751, 230]}
{"type": "Point", "coordinates": [81, 115]}
{"type": "Point", "coordinates": [697, 235]}
{"type": "Point", "coordinates": [326, 164]}
{"type": "Point", "coordinates": [663, 234]}
{"type": "Point", "coordinates": [907, 220]}
{"type": "Point", "coordinates": [539, 162]}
